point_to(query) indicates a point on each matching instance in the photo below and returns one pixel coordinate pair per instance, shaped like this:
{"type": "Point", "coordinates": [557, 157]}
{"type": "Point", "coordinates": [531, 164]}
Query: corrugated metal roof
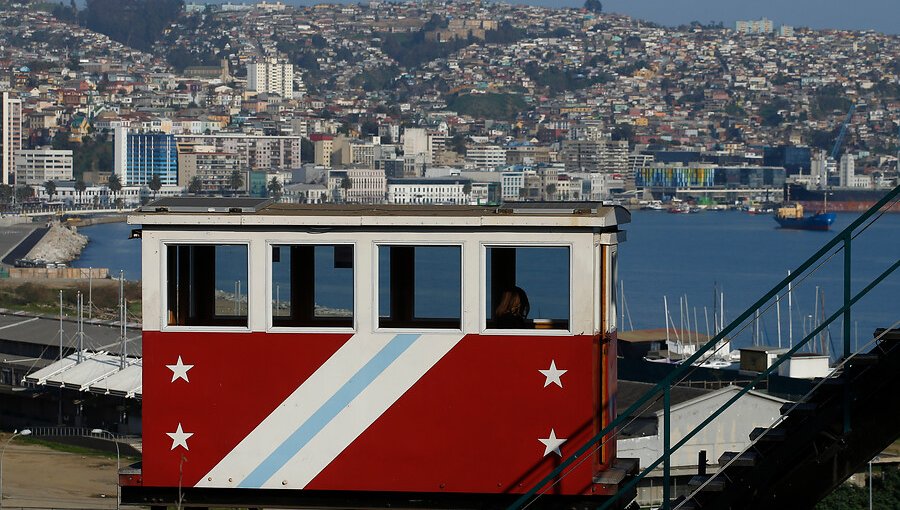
{"type": "Point", "coordinates": [98, 372]}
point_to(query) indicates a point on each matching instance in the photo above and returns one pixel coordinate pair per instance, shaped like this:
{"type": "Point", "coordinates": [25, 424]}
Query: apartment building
{"type": "Point", "coordinates": [271, 76]}
{"type": "Point", "coordinates": [11, 135]}
{"type": "Point", "coordinates": [138, 157]}
{"type": "Point", "coordinates": [254, 152]}
{"type": "Point", "coordinates": [37, 166]}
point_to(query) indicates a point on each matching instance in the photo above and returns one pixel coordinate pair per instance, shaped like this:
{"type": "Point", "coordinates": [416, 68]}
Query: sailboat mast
{"type": "Point", "coordinates": [778, 319]}
{"type": "Point", "coordinates": [666, 310]}
{"type": "Point", "coordinates": [790, 314]}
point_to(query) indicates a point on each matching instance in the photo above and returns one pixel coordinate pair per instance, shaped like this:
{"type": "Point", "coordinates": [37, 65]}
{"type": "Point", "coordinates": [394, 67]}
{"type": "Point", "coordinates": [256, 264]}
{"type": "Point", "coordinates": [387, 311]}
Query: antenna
{"type": "Point", "coordinates": [80, 327]}
{"type": "Point", "coordinates": [61, 333]}
{"type": "Point", "coordinates": [122, 320]}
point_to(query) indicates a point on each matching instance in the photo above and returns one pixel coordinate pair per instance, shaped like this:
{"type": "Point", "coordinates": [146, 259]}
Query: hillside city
{"type": "Point", "coordinates": [431, 102]}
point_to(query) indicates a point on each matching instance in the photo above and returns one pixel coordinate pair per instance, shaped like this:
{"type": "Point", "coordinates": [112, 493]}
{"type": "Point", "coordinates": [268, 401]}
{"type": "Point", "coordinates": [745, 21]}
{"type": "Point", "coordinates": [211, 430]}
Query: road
{"type": "Point", "coordinates": [38, 477]}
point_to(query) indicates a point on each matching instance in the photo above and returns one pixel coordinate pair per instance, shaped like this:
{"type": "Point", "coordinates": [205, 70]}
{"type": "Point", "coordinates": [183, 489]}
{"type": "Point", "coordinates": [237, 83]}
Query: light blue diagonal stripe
{"type": "Point", "coordinates": [323, 416]}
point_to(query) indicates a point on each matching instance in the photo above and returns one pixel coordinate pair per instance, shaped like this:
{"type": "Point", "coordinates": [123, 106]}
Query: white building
{"type": "Point", "coordinates": [512, 183]}
{"type": "Point", "coordinates": [416, 152]}
{"type": "Point", "coordinates": [305, 194]}
{"type": "Point", "coordinates": [485, 156]}
{"type": "Point", "coordinates": [730, 431]}
{"type": "Point", "coordinates": [757, 26]}
{"type": "Point", "coordinates": [366, 185]}
{"type": "Point", "coordinates": [11, 134]}
{"type": "Point", "coordinates": [34, 167]}
{"type": "Point", "coordinates": [429, 191]}
{"type": "Point", "coordinates": [272, 77]}
{"type": "Point", "coordinates": [97, 196]}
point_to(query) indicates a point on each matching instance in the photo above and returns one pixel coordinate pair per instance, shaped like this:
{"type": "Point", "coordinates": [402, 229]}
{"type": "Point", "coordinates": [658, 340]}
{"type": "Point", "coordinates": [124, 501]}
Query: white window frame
{"type": "Point", "coordinates": [164, 288]}
{"type": "Point", "coordinates": [272, 328]}
{"type": "Point", "coordinates": [376, 322]}
{"type": "Point", "coordinates": [484, 300]}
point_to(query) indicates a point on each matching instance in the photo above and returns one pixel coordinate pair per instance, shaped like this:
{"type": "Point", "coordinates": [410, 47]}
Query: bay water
{"type": "Point", "coordinates": [689, 259]}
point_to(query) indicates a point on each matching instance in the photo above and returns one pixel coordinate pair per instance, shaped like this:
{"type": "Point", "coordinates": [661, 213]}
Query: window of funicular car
{"type": "Point", "coordinates": [527, 287]}
{"type": "Point", "coordinates": [312, 285]}
{"type": "Point", "coordinates": [419, 286]}
{"type": "Point", "coordinates": [207, 284]}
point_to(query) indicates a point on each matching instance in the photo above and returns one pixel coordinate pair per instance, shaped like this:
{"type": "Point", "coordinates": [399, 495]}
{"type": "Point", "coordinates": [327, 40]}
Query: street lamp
{"type": "Point", "coordinates": [118, 467]}
{"type": "Point", "coordinates": [25, 432]}
{"type": "Point", "coordinates": [875, 459]}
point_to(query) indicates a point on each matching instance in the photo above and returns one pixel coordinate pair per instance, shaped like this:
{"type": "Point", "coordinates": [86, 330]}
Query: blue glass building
{"type": "Point", "coordinates": [140, 156]}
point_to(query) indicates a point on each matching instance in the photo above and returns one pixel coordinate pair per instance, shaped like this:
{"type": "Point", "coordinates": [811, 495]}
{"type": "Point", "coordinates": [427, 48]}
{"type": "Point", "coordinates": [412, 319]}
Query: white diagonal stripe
{"type": "Point", "coordinates": [253, 456]}
{"type": "Point", "coordinates": [364, 410]}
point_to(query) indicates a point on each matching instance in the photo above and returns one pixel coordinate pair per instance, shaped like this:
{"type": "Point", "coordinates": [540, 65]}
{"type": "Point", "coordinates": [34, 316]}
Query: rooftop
{"type": "Point", "coordinates": [208, 212]}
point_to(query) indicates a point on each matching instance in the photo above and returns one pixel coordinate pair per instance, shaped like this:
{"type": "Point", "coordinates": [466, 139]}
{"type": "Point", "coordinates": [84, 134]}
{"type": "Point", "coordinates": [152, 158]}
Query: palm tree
{"type": "Point", "coordinates": [114, 184]}
{"type": "Point", "coordinates": [80, 187]}
{"type": "Point", "coordinates": [50, 188]}
{"type": "Point", "coordinates": [274, 187]}
{"type": "Point", "coordinates": [551, 191]}
{"type": "Point", "coordinates": [236, 181]}
{"type": "Point", "coordinates": [155, 184]}
{"type": "Point", "coordinates": [346, 185]}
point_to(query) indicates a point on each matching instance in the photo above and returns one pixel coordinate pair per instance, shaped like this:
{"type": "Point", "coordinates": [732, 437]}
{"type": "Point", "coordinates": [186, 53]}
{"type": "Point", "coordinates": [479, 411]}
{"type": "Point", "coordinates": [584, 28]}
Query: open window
{"type": "Point", "coordinates": [419, 287]}
{"type": "Point", "coordinates": [527, 287]}
{"type": "Point", "coordinates": [312, 286]}
{"type": "Point", "coordinates": [207, 285]}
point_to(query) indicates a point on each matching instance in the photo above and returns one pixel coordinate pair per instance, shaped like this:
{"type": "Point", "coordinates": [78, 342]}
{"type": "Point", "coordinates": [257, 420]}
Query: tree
{"type": "Point", "coordinates": [6, 193]}
{"type": "Point", "coordinates": [467, 188]}
{"type": "Point", "coordinates": [236, 180]}
{"type": "Point", "coordinates": [114, 184]}
{"type": "Point", "coordinates": [155, 184]}
{"type": "Point", "coordinates": [23, 193]}
{"type": "Point", "coordinates": [307, 151]}
{"type": "Point", "coordinates": [195, 186]}
{"type": "Point", "coordinates": [551, 191]}
{"type": "Point", "coordinates": [80, 187]}
{"type": "Point", "coordinates": [274, 187]}
{"type": "Point", "coordinates": [135, 23]}
{"type": "Point", "coordinates": [346, 185]}
{"type": "Point", "coordinates": [594, 6]}
{"type": "Point", "coordinates": [50, 188]}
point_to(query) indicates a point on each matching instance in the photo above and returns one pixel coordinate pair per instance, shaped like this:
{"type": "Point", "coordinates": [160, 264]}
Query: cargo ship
{"type": "Point", "coordinates": [839, 199]}
{"type": "Point", "coordinates": [791, 216]}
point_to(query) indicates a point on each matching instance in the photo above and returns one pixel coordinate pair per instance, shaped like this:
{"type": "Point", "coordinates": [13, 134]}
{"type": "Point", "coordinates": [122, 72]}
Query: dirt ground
{"type": "Point", "coordinates": [37, 477]}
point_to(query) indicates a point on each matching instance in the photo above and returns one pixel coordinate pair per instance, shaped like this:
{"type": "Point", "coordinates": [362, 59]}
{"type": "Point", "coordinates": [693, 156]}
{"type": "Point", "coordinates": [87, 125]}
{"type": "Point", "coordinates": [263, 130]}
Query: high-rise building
{"type": "Point", "coordinates": [757, 26]}
{"type": "Point", "coordinates": [323, 146]}
{"type": "Point", "coordinates": [272, 77]}
{"type": "Point", "coordinates": [603, 155]}
{"type": "Point", "coordinates": [214, 168]}
{"type": "Point", "coordinates": [485, 156]}
{"type": "Point", "coordinates": [10, 135]}
{"type": "Point", "coordinates": [140, 156]}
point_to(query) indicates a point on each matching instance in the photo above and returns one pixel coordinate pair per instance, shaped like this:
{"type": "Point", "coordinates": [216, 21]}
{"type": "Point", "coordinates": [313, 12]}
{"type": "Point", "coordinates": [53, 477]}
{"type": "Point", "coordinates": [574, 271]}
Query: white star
{"type": "Point", "coordinates": [179, 370]}
{"type": "Point", "coordinates": [553, 375]}
{"type": "Point", "coordinates": [180, 437]}
{"type": "Point", "coordinates": [552, 443]}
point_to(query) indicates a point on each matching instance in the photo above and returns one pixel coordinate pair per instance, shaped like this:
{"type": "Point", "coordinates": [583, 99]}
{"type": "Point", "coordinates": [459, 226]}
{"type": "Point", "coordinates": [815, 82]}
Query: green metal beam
{"type": "Point", "coordinates": [751, 385]}
{"type": "Point", "coordinates": [686, 365]}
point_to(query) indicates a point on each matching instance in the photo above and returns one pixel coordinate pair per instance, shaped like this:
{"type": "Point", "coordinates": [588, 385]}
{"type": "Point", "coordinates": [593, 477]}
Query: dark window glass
{"type": "Point", "coordinates": [312, 285]}
{"type": "Point", "coordinates": [207, 285]}
{"type": "Point", "coordinates": [528, 287]}
{"type": "Point", "coordinates": [419, 286]}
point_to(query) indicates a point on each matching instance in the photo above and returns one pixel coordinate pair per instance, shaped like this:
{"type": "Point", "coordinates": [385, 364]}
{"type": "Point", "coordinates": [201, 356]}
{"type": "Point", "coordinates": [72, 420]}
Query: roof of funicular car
{"type": "Point", "coordinates": [200, 212]}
